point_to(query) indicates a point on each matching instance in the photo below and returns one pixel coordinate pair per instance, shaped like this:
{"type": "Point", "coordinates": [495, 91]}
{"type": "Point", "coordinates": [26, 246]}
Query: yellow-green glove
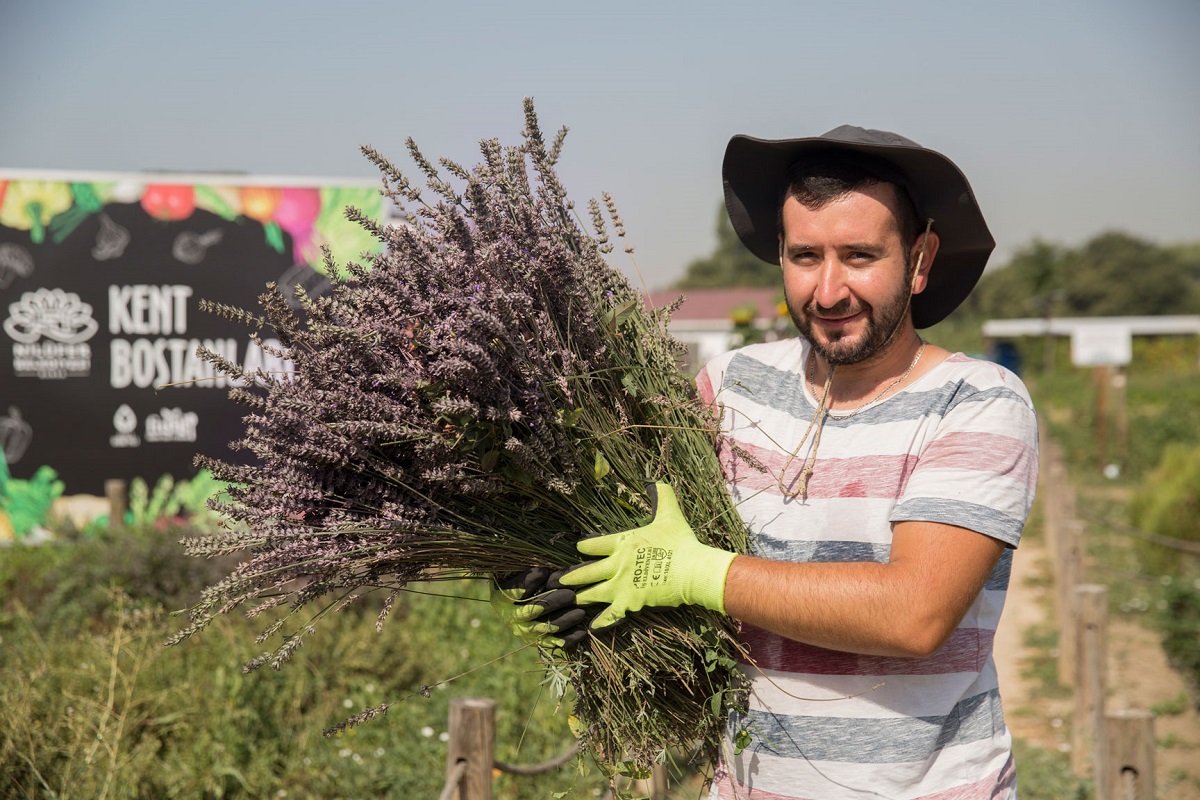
{"type": "Point", "coordinates": [537, 608]}
{"type": "Point", "coordinates": [660, 564]}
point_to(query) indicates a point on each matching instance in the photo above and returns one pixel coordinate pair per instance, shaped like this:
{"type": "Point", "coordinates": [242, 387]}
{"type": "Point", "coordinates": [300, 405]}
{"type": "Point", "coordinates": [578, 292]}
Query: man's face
{"type": "Point", "coordinates": [845, 273]}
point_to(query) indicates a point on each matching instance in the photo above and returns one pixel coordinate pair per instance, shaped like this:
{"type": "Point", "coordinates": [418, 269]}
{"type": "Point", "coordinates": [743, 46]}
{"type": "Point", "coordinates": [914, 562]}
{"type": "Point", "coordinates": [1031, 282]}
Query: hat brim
{"type": "Point", "coordinates": [755, 171]}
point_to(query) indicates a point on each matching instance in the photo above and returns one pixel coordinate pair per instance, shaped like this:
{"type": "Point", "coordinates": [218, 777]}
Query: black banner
{"type": "Point", "coordinates": [99, 376]}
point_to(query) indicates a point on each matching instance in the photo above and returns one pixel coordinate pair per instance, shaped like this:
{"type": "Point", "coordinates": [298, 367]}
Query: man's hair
{"type": "Point", "coordinates": [815, 183]}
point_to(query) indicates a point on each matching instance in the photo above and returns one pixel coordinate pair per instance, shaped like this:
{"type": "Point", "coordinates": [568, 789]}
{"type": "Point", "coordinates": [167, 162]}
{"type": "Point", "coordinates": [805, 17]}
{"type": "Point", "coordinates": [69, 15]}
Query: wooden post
{"type": "Point", "coordinates": [1130, 757]}
{"type": "Point", "coordinates": [1102, 381]}
{"type": "Point", "coordinates": [117, 492]}
{"type": "Point", "coordinates": [653, 787]}
{"type": "Point", "coordinates": [1120, 382]}
{"type": "Point", "coordinates": [472, 742]}
{"type": "Point", "coordinates": [660, 782]}
{"type": "Point", "coordinates": [1090, 746]}
{"type": "Point", "coordinates": [1049, 488]}
{"type": "Point", "coordinates": [1070, 575]}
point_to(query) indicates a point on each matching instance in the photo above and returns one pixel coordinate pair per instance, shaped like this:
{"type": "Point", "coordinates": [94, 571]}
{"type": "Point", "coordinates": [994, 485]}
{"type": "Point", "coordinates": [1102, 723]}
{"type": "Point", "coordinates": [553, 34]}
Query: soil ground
{"type": "Point", "coordinates": [1138, 677]}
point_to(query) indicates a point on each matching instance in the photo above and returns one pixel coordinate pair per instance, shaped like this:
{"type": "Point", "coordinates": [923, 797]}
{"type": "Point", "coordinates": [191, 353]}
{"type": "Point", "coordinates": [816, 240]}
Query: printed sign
{"type": "Point", "coordinates": [100, 326]}
{"type": "Point", "coordinates": [1101, 345]}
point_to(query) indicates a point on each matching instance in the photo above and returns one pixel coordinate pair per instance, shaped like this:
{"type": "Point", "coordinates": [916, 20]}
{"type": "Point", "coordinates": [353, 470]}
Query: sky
{"type": "Point", "coordinates": [1069, 117]}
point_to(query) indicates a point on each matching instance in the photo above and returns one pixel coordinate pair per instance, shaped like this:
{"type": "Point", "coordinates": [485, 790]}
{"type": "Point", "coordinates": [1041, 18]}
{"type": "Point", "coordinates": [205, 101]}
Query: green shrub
{"type": "Point", "coordinates": [67, 583]}
{"type": "Point", "coordinates": [110, 712]}
{"type": "Point", "coordinates": [92, 704]}
{"type": "Point", "coordinates": [171, 499]}
{"type": "Point", "coordinates": [1180, 624]}
{"type": "Point", "coordinates": [1168, 504]}
{"type": "Point", "coordinates": [27, 503]}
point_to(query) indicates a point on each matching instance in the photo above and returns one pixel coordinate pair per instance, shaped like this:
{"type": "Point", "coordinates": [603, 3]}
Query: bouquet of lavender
{"type": "Point", "coordinates": [477, 398]}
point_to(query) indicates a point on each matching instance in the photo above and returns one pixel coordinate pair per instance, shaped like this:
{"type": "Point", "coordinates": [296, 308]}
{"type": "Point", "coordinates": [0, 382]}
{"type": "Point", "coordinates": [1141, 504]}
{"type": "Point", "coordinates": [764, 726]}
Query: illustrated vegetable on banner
{"type": "Point", "coordinates": [313, 217]}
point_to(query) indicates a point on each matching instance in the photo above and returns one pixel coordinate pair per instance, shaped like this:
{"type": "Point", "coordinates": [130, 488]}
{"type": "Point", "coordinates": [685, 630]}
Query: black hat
{"type": "Point", "coordinates": [755, 173]}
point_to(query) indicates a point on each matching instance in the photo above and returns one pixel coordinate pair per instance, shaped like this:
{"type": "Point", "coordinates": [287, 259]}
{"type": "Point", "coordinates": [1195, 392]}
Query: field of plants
{"type": "Point", "coordinates": [92, 705]}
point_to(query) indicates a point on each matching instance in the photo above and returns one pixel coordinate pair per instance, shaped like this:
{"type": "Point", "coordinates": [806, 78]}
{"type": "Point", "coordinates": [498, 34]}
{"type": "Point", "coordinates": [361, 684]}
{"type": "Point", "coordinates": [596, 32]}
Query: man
{"type": "Point", "coordinates": [886, 482]}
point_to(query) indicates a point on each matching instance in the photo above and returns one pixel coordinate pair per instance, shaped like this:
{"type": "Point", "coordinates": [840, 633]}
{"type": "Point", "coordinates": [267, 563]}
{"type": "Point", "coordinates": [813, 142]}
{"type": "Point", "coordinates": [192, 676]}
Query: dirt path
{"type": "Point", "coordinates": [1138, 677]}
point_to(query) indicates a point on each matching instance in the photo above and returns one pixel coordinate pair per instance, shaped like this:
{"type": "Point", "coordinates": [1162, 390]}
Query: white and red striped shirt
{"type": "Point", "coordinates": [956, 446]}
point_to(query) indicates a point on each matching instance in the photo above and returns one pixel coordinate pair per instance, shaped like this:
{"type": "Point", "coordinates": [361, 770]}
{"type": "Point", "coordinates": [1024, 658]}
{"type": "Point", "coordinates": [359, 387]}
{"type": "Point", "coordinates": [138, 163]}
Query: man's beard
{"type": "Point", "coordinates": [880, 328]}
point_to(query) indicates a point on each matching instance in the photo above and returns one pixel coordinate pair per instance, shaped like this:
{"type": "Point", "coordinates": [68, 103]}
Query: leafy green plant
{"type": "Point", "coordinates": [1180, 624]}
{"type": "Point", "coordinates": [1168, 504]}
{"type": "Point", "coordinates": [171, 499]}
{"type": "Point", "coordinates": [27, 504]}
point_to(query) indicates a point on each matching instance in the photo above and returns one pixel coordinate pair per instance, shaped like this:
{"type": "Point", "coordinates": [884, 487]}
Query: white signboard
{"type": "Point", "coordinates": [1101, 345]}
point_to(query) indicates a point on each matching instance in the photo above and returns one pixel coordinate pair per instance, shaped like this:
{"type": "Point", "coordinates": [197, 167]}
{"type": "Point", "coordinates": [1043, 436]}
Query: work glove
{"type": "Point", "coordinates": [538, 608]}
{"type": "Point", "coordinates": [660, 564]}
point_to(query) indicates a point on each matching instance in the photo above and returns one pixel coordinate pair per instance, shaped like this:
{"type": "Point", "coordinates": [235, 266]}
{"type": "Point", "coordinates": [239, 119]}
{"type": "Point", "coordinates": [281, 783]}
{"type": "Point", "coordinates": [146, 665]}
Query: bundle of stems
{"type": "Point", "coordinates": [473, 401]}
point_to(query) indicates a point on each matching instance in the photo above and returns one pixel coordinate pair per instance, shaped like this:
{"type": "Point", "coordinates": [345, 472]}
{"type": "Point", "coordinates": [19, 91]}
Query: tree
{"type": "Point", "coordinates": [730, 263]}
{"type": "Point", "coordinates": [1112, 274]}
{"type": "Point", "coordinates": [1028, 286]}
{"type": "Point", "coordinates": [1115, 274]}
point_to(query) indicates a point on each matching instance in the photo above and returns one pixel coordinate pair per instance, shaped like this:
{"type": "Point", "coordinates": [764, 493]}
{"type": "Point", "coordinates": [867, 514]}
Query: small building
{"type": "Point", "coordinates": [713, 321]}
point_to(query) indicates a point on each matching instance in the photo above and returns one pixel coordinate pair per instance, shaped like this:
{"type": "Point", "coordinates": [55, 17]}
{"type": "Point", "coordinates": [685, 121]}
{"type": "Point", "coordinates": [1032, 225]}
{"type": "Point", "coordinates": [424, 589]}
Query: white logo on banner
{"type": "Point", "coordinates": [50, 329]}
{"type": "Point", "coordinates": [50, 314]}
{"type": "Point", "coordinates": [125, 422]}
{"type": "Point", "coordinates": [172, 425]}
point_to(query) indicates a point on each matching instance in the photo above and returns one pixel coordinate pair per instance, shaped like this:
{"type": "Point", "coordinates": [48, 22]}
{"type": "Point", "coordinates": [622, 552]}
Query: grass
{"type": "Point", "coordinates": [101, 709]}
{"type": "Point", "coordinates": [1046, 775]}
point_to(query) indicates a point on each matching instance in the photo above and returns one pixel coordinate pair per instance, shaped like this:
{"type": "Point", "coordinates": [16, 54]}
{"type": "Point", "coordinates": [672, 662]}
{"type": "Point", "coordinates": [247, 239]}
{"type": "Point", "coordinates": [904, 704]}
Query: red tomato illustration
{"type": "Point", "coordinates": [169, 201]}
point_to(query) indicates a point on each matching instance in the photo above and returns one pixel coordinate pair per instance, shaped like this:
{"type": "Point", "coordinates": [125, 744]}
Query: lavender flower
{"type": "Point", "coordinates": [450, 402]}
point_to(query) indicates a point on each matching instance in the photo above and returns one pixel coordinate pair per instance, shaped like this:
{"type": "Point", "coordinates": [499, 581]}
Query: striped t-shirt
{"type": "Point", "coordinates": [957, 446]}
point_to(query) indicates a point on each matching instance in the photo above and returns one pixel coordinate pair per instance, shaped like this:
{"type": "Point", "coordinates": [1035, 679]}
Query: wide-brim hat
{"type": "Point", "coordinates": [755, 173]}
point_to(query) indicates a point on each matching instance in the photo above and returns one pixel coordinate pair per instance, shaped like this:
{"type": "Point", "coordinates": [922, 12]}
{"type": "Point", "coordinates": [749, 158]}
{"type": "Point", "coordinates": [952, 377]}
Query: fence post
{"type": "Point", "coordinates": [473, 743]}
{"type": "Point", "coordinates": [1090, 750]}
{"type": "Point", "coordinates": [1130, 762]}
{"type": "Point", "coordinates": [1070, 575]}
{"type": "Point", "coordinates": [117, 492]}
{"type": "Point", "coordinates": [654, 787]}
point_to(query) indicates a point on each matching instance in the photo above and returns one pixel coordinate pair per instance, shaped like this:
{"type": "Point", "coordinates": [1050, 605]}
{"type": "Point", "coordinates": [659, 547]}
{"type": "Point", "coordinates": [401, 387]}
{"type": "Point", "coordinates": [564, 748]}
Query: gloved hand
{"type": "Point", "coordinates": [660, 564]}
{"type": "Point", "coordinates": [538, 608]}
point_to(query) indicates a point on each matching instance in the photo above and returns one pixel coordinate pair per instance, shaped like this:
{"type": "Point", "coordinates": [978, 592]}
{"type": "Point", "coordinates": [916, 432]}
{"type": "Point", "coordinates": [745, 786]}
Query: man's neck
{"type": "Point", "coordinates": [854, 384]}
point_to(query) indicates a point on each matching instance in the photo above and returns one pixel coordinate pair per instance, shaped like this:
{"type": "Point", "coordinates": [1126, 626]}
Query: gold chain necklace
{"type": "Point", "coordinates": [812, 367]}
{"type": "Point", "coordinates": [818, 420]}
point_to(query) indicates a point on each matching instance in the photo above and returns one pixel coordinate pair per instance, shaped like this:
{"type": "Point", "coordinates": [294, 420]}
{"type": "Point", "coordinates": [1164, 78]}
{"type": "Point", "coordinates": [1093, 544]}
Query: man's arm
{"type": "Point", "coordinates": [907, 607]}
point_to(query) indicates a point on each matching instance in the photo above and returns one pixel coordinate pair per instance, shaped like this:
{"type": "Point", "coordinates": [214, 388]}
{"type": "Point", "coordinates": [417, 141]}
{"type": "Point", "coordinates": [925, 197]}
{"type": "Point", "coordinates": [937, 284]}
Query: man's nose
{"type": "Point", "coordinates": [831, 286]}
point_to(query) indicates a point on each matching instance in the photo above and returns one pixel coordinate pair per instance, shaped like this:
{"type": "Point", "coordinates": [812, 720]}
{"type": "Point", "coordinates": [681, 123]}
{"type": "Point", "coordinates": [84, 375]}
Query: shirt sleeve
{"type": "Point", "coordinates": [979, 470]}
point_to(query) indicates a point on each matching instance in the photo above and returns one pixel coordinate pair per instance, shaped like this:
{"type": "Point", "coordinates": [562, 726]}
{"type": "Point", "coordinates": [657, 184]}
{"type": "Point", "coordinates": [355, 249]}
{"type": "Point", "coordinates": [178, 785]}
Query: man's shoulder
{"type": "Point", "coordinates": [980, 375]}
{"type": "Point", "coordinates": [781, 354]}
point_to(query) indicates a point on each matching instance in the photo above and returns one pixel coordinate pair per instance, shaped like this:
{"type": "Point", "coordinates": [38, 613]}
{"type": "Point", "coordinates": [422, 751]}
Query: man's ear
{"type": "Point", "coordinates": [921, 276]}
